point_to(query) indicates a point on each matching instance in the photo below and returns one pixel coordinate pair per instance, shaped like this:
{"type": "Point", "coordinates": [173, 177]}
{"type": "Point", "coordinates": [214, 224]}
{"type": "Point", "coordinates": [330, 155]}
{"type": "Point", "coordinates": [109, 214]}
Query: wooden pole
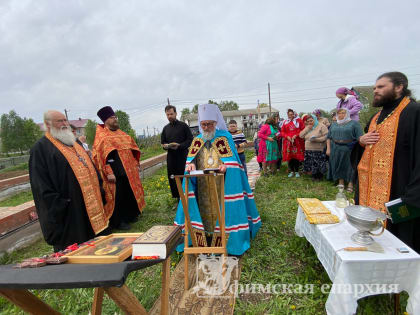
{"type": "Point", "coordinates": [27, 301]}
{"type": "Point", "coordinates": [269, 97]}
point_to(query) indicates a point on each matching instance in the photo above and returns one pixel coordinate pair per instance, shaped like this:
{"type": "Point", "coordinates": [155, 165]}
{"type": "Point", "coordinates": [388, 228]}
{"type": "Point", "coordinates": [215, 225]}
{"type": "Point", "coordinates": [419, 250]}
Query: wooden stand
{"type": "Point", "coordinates": [220, 212]}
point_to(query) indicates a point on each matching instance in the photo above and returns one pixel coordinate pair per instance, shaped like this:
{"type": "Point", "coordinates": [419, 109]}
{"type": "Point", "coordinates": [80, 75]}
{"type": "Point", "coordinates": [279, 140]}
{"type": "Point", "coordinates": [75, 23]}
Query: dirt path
{"type": "Point", "coordinates": [12, 174]}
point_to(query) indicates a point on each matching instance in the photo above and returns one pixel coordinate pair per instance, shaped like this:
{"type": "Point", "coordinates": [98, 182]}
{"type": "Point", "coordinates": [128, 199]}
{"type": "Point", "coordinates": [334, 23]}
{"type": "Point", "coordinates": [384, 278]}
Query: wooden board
{"type": "Point", "coordinates": [106, 250]}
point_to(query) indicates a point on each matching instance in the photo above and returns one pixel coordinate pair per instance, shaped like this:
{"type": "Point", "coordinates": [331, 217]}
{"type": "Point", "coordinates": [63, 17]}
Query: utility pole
{"type": "Point", "coordinates": [259, 112]}
{"type": "Point", "coordinates": [269, 97]}
{"type": "Point", "coordinates": [169, 103]}
{"type": "Point", "coordinates": [65, 111]}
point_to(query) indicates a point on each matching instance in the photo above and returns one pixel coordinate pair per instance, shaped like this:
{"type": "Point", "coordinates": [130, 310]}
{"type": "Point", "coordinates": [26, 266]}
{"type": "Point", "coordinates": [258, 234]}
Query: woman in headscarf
{"type": "Point", "coordinates": [349, 100]}
{"type": "Point", "coordinates": [341, 138]}
{"type": "Point", "coordinates": [321, 120]}
{"type": "Point", "coordinates": [315, 136]}
{"type": "Point", "coordinates": [293, 145]}
{"type": "Point", "coordinates": [268, 152]}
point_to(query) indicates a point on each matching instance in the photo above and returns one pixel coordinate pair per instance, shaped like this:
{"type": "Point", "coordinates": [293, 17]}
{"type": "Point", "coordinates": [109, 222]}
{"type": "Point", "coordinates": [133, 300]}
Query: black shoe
{"type": "Point", "coordinates": [124, 226]}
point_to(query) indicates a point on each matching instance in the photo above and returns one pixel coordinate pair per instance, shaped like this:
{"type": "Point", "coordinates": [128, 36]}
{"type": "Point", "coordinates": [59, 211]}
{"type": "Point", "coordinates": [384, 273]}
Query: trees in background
{"type": "Point", "coordinates": [18, 134]}
{"type": "Point", "coordinates": [90, 131]}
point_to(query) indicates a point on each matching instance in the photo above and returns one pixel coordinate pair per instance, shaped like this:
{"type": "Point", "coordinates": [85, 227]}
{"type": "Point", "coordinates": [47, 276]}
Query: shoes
{"type": "Point", "coordinates": [290, 174]}
{"type": "Point", "coordinates": [123, 226]}
{"type": "Point", "coordinates": [297, 175]}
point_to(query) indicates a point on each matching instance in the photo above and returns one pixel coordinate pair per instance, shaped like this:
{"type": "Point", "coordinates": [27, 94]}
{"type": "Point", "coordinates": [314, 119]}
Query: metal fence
{"type": "Point", "coordinates": [145, 142]}
{"type": "Point", "coordinates": [12, 161]}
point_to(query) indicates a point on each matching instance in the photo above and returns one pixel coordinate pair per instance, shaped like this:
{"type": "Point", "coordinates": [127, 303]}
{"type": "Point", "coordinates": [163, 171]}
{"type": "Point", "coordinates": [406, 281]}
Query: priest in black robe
{"type": "Point", "coordinates": [390, 89]}
{"type": "Point", "coordinates": [176, 138]}
{"type": "Point", "coordinates": [58, 196]}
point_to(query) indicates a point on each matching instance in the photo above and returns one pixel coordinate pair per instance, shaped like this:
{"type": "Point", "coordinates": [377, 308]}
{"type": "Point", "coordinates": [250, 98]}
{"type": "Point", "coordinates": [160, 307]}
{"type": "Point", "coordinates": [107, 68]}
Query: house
{"type": "Point", "coordinates": [80, 125]}
{"type": "Point", "coordinates": [245, 118]}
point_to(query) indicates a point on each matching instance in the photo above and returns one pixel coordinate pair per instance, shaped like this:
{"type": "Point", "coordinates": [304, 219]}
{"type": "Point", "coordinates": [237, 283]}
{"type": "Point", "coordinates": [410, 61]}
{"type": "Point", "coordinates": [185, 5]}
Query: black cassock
{"type": "Point", "coordinates": [406, 169]}
{"type": "Point", "coordinates": [178, 132]}
{"type": "Point", "coordinates": [126, 208]}
{"type": "Point", "coordinates": [58, 198]}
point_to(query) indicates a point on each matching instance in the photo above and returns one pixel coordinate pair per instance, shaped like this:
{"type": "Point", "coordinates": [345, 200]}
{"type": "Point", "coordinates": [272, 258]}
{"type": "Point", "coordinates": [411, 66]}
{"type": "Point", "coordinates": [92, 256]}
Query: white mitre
{"type": "Point", "coordinates": [211, 112]}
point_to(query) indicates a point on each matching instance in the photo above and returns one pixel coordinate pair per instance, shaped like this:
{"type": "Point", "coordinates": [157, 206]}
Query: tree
{"type": "Point", "coordinates": [31, 133]}
{"type": "Point", "coordinates": [228, 105]}
{"type": "Point", "coordinates": [184, 113]}
{"type": "Point", "coordinates": [18, 134]}
{"type": "Point", "coordinates": [263, 105]}
{"type": "Point", "coordinates": [225, 105]}
{"type": "Point", "coordinates": [195, 109]}
{"type": "Point", "coordinates": [90, 131]}
{"type": "Point", "coordinates": [124, 123]}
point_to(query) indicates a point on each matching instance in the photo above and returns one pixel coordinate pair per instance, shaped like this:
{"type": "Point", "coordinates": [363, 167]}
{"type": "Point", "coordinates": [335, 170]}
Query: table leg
{"type": "Point", "coordinates": [98, 298]}
{"type": "Point", "coordinates": [27, 301]}
{"type": "Point", "coordinates": [126, 300]}
{"type": "Point", "coordinates": [164, 297]}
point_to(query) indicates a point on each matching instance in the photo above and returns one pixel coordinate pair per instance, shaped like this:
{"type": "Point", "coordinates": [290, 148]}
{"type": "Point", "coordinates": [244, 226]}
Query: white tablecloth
{"type": "Point", "coordinates": [394, 271]}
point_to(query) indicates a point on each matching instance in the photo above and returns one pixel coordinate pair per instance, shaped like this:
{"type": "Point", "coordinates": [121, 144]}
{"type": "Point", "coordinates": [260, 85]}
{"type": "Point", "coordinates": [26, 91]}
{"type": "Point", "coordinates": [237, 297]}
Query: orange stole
{"type": "Point", "coordinates": [375, 167]}
{"type": "Point", "coordinates": [88, 180]}
{"type": "Point", "coordinates": [107, 141]}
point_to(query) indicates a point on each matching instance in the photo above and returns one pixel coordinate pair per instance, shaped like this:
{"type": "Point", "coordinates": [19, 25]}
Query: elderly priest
{"type": "Point", "coordinates": [214, 148]}
{"type": "Point", "coordinates": [65, 186]}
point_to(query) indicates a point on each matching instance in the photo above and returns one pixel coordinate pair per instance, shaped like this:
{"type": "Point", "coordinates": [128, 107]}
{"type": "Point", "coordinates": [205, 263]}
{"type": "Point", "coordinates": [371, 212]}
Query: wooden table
{"type": "Point", "coordinates": [109, 278]}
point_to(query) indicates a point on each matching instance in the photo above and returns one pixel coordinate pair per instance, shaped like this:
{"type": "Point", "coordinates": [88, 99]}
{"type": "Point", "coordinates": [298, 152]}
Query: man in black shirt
{"type": "Point", "coordinates": [396, 174]}
{"type": "Point", "coordinates": [176, 138]}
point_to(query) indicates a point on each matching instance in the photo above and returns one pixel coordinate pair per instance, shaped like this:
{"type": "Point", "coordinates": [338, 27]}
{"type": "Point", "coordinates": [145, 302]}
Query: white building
{"type": "Point", "coordinates": [245, 118]}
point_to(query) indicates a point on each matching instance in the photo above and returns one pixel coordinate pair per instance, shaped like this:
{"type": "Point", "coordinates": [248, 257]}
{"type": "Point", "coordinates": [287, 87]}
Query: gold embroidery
{"type": "Point", "coordinates": [375, 167]}
{"type": "Point", "coordinates": [195, 147]}
{"type": "Point", "coordinates": [222, 147]}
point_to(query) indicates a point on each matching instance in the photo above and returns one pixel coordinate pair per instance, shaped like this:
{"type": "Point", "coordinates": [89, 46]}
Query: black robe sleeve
{"type": "Point", "coordinates": [188, 138]}
{"type": "Point", "coordinates": [50, 204]}
{"type": "Point", "coordinates": [411, 194]}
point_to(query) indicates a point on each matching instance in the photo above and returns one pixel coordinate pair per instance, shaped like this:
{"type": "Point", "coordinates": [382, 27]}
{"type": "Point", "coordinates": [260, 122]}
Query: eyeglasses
{"type": "Point", "coordinates": [207, 124]}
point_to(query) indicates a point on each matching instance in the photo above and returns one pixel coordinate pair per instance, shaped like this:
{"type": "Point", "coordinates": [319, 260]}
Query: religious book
{"type": "Point", "coordinates": [157, 241]}
{"type": "Point", "coordinates": [399, 211]}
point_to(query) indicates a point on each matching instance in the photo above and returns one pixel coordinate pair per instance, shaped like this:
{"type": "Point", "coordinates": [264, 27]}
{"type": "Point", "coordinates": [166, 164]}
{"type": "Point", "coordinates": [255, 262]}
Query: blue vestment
{"type": "Point", "coordinates": [241, 215]}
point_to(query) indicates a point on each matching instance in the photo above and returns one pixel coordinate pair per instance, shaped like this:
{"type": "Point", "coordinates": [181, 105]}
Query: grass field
{"type": "Point", "coordinates": [277, 255]}
{"type": "Point", "coordinates": [17, 199]}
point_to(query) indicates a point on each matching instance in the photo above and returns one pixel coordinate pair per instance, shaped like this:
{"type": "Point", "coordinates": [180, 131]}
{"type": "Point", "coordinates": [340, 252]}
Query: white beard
{"type": "Point", "coordinates": [64, 135]}
{"type": "Point", "coordinates": [208, 135]}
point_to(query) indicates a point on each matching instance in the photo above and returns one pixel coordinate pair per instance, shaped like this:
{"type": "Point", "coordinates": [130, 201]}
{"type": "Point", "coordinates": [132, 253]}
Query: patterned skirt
{"type": "Point", "coordinates": [315, 162]}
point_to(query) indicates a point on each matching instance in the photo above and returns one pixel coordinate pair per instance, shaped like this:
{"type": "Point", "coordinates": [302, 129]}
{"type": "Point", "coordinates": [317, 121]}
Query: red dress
{"type": "Point", "coordinates": [295, 150]}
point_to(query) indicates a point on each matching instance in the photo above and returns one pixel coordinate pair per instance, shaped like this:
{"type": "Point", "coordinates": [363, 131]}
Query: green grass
{"type": "Point", "coordinates": [17, 199]}
{"type": "Point", "coordinates": [151, 151]}
{"type": "Point", "coordinates": [19, 167]}
{"type": "Point", "coordinates": [276, 256]}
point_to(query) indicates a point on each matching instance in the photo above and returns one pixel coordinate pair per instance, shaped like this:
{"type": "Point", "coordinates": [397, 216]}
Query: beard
{"type": "Point", "coordinates": [208, 135]}
{"type": "Point", "coordinates": [385, 99]}
{"type": "Point", "coordinates": [63, 134]}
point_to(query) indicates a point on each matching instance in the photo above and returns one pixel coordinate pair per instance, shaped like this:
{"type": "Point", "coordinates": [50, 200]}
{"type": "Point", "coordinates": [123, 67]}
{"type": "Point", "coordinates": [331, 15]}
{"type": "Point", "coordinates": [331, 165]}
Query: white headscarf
{"type": "Point", "coordinates": [295, 120]}
{"type": "Point", "coordinates": [211, 112]}
{"type": "Point", "coordinates": [346, 118]}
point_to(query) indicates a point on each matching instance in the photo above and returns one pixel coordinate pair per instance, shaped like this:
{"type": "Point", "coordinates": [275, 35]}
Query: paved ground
{"type": "Point", "coordinates": [253, 172]}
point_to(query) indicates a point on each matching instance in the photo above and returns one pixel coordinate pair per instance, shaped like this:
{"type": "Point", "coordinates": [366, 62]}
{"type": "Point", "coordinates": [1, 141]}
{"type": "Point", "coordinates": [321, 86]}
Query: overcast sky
{"type": "Point", "coordinates": [132, 55]}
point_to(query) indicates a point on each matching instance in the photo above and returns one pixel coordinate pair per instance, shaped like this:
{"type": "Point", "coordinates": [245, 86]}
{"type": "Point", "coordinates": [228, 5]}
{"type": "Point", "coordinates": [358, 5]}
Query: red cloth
{"type": "Point", "coordinates": [294, 150]}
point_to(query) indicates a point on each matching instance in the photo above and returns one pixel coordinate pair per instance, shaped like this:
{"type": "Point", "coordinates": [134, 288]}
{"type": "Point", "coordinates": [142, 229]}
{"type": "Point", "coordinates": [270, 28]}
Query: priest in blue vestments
{"type": "Point", "coordinates": [214, 148]}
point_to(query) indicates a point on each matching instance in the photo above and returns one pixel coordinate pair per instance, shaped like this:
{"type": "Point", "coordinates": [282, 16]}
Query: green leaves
{"type": "Point", "coordinates": [18, 134]}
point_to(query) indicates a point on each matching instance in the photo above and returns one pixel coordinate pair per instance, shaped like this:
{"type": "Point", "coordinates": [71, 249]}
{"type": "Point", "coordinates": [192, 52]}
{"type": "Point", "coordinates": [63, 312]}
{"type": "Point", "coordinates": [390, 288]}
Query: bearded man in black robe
{"type": "Point", "coordinates": [392, 94]}
{"type": "Point", "coordinates": [176, 138]}
{"type": "Point", "coordinates": [66, 186]}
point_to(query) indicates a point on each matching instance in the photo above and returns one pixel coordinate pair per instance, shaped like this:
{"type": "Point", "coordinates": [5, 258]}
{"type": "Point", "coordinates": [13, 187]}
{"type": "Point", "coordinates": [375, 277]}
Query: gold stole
{"type": "Point", "coordinates": [375, 167]}
{"type": "Point", "coordinates": [107, 141]}
{"type": "Point", "coordinates": [88, 180]}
